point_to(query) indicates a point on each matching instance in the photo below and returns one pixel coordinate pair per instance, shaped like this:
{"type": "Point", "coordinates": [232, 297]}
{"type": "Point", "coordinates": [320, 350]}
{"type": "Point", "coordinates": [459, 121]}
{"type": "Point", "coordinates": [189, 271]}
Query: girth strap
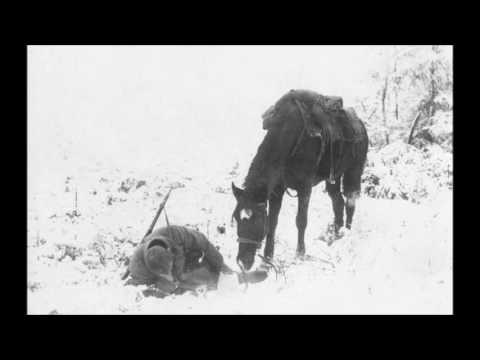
{"type": "Point", "coordinates": [331, 180]}
{"type": "Point", "coordinates": [304, 129]}
{"type": "Point", "coordinates": [323, 139]}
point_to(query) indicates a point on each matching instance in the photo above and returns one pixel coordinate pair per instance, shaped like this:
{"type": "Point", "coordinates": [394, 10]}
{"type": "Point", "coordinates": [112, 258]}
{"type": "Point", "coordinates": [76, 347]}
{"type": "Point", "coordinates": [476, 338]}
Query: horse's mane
{"type": "Point", "coordinates": [272, 151]}
{"type": "Point", "coordinates": [257, 176]}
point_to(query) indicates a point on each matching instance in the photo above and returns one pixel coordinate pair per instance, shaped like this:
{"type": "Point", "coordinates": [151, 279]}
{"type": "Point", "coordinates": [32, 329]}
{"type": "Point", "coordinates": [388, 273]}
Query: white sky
{"type": "Point", "coordinates": [134, 102]}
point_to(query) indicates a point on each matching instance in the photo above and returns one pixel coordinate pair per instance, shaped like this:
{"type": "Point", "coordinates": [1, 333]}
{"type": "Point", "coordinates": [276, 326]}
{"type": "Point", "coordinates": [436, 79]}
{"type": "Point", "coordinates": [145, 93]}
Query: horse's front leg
{"type": "Point", "coordinates": [274, 205]}
{"type": "Point", "coordinates": [302, 217]}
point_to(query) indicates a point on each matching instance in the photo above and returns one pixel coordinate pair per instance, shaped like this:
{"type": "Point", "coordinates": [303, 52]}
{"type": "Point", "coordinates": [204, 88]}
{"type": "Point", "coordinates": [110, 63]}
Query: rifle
{"type": "Point", "coordinates": [152, 225]}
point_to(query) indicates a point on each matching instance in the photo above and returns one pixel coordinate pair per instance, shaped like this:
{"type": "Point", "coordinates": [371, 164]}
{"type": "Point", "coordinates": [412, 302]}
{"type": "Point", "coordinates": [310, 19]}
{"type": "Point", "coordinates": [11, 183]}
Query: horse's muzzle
{"type": "Point", "coordinates": [246, 253]}
{"type": "Point", "coordinates": [246, 263]}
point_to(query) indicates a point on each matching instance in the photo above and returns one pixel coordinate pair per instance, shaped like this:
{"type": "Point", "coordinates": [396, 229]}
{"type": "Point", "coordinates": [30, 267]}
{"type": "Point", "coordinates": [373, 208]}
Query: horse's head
{"type": "Point", "coordinates": [251, 216]}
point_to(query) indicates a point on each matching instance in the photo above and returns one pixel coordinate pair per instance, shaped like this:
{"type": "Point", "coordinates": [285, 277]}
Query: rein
{"type": "Point", "coordinates": [277, 270]}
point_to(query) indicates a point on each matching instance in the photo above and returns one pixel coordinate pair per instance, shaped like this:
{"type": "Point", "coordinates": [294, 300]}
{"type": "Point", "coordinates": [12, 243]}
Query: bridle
{"type": "Point", "coordinates": [244, 240]}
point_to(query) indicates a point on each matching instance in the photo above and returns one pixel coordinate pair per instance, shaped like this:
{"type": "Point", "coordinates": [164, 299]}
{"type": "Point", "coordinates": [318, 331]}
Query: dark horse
{"type": "Point", "coordinates": [307, 142]}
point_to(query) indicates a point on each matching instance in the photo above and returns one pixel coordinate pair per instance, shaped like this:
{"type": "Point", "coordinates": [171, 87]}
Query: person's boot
{"type": "Point", "coordinates": [252, 276]}
{"type": "Point", "coordinates": [155, 292]}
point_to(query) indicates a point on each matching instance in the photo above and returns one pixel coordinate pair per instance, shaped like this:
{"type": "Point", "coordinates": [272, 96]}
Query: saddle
{"type": "Point", "coordinates": [315, 108]}
{"type": "Point", "coordinates": [318, 123]}
{"type": "Point", "coordinates": [324, 117]}
{"type": "Point", "coordinates": [331, 104]}
{"type": "Point", "coordinates": [319, 116]}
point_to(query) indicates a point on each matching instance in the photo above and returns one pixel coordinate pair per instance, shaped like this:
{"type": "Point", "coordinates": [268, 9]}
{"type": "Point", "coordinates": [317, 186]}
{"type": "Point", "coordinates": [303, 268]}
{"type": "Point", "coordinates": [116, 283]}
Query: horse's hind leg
{"type": "Point", "coordinates": [302, 217]}
{"type": "Point", "coordinates": [351, 190]}
{"type": "Point", "coordinates": [338, 203]}
{"type": "Point", "coordinates": [350, 207]}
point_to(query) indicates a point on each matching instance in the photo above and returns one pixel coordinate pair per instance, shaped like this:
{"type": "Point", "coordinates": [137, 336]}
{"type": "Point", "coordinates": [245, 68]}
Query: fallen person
{"type": "Point", "coordinates": [175, 259]}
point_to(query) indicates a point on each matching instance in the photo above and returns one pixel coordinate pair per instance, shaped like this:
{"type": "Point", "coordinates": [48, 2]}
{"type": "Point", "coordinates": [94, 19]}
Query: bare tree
{"type": "Point", "coordinates": [384, 111]}
{"type": "Point", "coordinates": [412, 128]}
{"type": "Point", "coordinates": [396, 80]}
{"type": "Point", "coordinates": [430, 104]}
{"type": "Point", "coordinates": [408, 83]}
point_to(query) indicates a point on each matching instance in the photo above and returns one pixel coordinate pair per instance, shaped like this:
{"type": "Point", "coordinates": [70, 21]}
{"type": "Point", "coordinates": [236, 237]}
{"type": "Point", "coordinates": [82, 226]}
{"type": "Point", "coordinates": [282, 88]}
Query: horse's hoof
{"type": "Point", "coordinates": [335, 237]}
{"type": "Point", "coordinates": [331, 228]}
{"type": "Point", "coordinates": [300, 254]}
{"type": "Point", "coordinates": [264, 266]}
{"type": "Point", "coordinates": [340, 233]}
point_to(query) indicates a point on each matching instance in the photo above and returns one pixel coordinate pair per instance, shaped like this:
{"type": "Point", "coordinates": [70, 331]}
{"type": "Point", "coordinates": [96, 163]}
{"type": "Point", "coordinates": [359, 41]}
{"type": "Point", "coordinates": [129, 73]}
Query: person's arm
{"type": "Point", "coordinates": [165, 285]}
{"type": "Point", "coordinates": [198, 277]}
{"type": "Point", "coordinates": [214, 258]}
{"type": "Point", "coordinates": [211, 255]}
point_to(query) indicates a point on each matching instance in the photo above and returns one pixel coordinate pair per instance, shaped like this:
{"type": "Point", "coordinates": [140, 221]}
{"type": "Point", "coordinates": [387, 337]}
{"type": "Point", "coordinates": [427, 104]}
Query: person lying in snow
{"type": "Point", "coordinates": [175, 259]}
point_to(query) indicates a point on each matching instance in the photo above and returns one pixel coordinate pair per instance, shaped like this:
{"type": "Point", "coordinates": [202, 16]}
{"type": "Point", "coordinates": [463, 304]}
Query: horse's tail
{"type": "Point", "coordinates": [366, 140]}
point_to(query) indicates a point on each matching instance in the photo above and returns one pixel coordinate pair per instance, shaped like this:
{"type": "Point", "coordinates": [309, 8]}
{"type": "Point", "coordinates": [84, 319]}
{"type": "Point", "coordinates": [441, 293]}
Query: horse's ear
{"type": "Point", "coordinates": [237, 192]}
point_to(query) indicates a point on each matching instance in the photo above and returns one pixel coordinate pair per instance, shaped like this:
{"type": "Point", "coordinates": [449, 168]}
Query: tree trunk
{"type": "Point", "coordinates": [412, 129]}
{"type": "Point", "coordinates": [433, 90]}
{"type": "Point", "coordinates": [396, 106]}
{"type": "Point", "coordinates": [430, 107]}
{"type": "Point", "coordinates": [395, 83]}
{"type": "Point", "coordinates": [384, 111]}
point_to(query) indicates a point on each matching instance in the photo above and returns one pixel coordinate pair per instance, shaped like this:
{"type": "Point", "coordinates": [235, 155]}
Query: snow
{"type": "Point", "coordinates": [399, 170]}
{"type": "Point", "coordinates": [396, 259]}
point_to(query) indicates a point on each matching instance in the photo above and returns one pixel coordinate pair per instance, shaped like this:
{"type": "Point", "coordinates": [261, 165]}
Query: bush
{"type": "Point", "coordinates": [441, 129]}
{"type": "Point", "coordinates": [402, 171]}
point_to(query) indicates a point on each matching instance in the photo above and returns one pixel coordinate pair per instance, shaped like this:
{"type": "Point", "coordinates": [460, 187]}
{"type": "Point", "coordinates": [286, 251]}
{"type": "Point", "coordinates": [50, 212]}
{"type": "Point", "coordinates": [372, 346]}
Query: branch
{"type": "Point", "coordinates": [412, 129]}
{"type": "Point", "coordinates": [373, 112]}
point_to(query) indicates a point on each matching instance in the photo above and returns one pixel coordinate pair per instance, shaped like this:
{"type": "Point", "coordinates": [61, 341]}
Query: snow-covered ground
{"type": "Point", "coordinates": [95, 123]}
{"type": "Point", "coordinates": [396, 259]}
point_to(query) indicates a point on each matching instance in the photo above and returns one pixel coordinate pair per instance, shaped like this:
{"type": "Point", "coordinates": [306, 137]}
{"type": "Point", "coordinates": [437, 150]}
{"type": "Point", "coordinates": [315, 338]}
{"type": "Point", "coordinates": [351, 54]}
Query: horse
{"type": "Point", "coordinates": [306, 143]}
